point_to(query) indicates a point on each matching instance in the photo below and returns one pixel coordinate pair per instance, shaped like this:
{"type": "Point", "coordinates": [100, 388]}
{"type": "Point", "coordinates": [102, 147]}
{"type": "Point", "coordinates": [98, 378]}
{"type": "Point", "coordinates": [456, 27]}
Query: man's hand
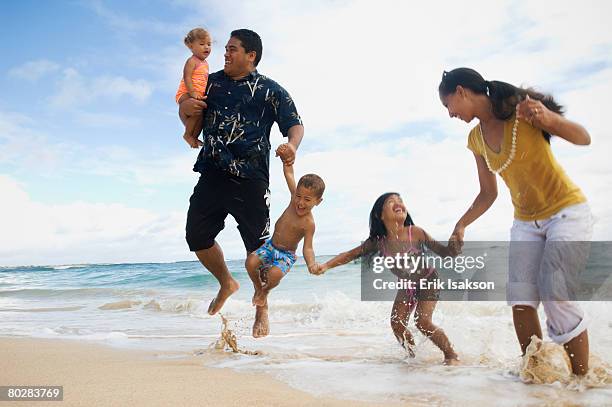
{"type": "Point", "coordinates": [193, 142]}
{"type": "Point", "coordinates": [286, 152]}
{"type": "Point", "coordinates": [193, 107]}
{"type": "Point", "coordinates": [196, 95]}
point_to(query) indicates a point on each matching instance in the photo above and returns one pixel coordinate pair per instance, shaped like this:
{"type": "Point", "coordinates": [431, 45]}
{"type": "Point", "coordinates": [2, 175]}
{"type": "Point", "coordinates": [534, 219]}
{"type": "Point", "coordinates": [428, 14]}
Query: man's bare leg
{"type": "Point", "coordinates": [578, 351]}
{"type": "Point", "coordinates": [214, 262]}
{"type": "Point", "coordinates": [526, 324]}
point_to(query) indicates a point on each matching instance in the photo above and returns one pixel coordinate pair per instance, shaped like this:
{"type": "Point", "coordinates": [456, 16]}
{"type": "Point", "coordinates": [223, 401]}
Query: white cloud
{"type": "Point", "coordinates": [76, 90]}
{"type": "Point", "coordinates": [124, 24]}
{"type": "Point", "coordinates": [84, 232]}
{"type": "Point", "coordinates": [356, 65]}
{"type": "Point", "coordinates": [34, 70]}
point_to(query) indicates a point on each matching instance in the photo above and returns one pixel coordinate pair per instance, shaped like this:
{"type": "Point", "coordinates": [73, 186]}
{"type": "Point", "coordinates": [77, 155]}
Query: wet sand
{"type": "Point", "coordinates": [98, 375]}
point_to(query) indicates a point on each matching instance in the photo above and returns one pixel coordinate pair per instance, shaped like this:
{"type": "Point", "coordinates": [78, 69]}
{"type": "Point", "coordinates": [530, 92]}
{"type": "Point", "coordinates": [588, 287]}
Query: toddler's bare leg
{"type": "Point", "coordinates": [422, 319]}
{"type": "Point", "coordinates": [191, 124]}
{"type": "Point", "coordinates": [399, 321]}
{"type": "Point", "coordinates": [193, 127]}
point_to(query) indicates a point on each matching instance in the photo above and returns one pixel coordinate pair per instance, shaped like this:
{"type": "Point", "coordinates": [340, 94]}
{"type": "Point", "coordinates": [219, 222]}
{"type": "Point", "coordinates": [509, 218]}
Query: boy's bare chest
{"type": "Point", "coordinates": [291, 224]}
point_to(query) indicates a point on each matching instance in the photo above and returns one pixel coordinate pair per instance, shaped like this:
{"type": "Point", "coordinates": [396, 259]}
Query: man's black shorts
{"type": "Point", "coordinates": [215, 195]}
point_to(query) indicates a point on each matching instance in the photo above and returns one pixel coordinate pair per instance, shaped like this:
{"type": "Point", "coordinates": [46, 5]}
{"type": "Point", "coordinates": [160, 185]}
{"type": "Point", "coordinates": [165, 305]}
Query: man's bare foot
{"type": "Point", "coordinates": [261, 327]}
{"type": "Point", "coordinates": [260, 298]}
{"type": "Point", "coordinates": [224, 292]}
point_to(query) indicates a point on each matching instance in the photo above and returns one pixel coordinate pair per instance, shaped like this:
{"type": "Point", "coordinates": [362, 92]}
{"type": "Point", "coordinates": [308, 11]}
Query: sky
{"type": "Point", "coordinates": [93, 168]}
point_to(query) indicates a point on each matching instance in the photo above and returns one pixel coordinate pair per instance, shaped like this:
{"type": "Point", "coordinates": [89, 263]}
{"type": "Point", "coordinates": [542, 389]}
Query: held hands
{"type": "Point", "coordinates": [455, 242]}
{"type": "Point", "coordinates": [286, 152]}
{"type": "Point", "coordinates": [317, 269]}
{"type": "Point", "coordinates": [535, 113]}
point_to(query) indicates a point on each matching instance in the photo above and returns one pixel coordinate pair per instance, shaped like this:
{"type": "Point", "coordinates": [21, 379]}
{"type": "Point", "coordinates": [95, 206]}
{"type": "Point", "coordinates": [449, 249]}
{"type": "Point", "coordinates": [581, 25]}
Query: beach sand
{"type": "Point", "coordinates": [98, 375]}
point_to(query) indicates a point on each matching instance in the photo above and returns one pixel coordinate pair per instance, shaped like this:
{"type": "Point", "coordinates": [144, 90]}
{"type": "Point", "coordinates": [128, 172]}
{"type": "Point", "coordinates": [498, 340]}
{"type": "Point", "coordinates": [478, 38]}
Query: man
{"type": "Point", "coordinates": [241, 107]}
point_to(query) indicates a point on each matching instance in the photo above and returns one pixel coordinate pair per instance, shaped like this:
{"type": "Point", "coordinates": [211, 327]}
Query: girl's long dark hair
{"type": "Point", "coordinates": [503, 96]}
{"type": "Point", "coordinates": [377, 227]}
{"type": "Point", "coordinates": [378, 231]}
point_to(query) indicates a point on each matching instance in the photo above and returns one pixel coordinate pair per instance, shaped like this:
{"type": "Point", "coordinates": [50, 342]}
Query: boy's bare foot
{"type": "Point", "coordinates": [224, 292]}
{"type": "Point", "coordinates": [260, 298]}
{"type": "Point", "coordinates": [452, 361]}
{"type": "Point", "coordinates": [261, 327]}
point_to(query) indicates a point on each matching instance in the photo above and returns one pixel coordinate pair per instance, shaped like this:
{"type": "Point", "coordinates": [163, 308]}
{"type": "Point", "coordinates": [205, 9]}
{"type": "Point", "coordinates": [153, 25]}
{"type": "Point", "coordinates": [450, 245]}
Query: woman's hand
{"type": "Point", "coordinates": [535, 113]}
{"type": "Point", "coordinates": [538, 115]}
{"type": "Point", "coordinates": [455, 242]}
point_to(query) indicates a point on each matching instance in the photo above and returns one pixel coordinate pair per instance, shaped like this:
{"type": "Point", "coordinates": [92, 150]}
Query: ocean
{"type": "Point", "coordinates": [323, 338]}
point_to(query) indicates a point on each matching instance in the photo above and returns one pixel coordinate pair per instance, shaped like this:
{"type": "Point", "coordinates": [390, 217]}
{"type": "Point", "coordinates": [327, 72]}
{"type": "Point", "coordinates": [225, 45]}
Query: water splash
{"type": "Point", "coordinates": [547, 363]}
{"type": "Point", "coordinates": [229, 341]}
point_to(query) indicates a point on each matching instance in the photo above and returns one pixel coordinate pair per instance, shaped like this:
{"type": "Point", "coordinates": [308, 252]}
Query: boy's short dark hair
{"type": "Point", "coordinates": [251, 41]}
{"type": "Point", "coordinates": [313, 182]}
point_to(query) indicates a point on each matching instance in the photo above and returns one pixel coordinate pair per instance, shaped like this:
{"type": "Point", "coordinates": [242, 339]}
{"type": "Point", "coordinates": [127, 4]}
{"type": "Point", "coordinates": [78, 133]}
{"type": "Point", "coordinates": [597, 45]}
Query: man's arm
{"type": "Point", "coordinates": [289, 177]}
{"type": "Point", "coordinates": [294, 136]}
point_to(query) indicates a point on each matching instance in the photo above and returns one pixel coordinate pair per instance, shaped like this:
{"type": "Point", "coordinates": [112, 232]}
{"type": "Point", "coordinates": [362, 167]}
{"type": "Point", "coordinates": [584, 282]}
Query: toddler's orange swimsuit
{"type": "Point", "coordinates": [199, 79]}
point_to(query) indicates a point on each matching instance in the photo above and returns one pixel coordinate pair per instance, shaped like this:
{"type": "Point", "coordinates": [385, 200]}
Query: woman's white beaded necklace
{"type": "Point", "coordinates": [512, 149]}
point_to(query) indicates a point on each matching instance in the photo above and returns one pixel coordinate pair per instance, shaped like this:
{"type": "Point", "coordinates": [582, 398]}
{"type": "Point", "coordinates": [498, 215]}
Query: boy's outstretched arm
{"type": "Point", "coordinates": [340, 259]}
{"type": "Point", "coordinates": [289, 177]}
{"type": "Point", "coordinates": [308, 251]}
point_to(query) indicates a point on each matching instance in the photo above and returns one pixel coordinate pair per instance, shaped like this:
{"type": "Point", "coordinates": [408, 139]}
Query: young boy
{"type": "Point", "coordinates": [273, 260]}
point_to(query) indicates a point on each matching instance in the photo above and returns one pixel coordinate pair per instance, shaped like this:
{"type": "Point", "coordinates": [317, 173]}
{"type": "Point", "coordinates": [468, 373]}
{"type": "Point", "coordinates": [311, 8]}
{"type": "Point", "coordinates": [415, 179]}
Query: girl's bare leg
{"type": "Point", "coordinates": [526, 324]}
{"type": "Point", "coordinates": [422, 319]}
{"type": "Point", "coordinates": [399, 321]}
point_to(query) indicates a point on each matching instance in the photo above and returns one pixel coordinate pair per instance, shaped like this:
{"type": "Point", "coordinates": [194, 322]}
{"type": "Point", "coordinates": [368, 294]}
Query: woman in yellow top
{"type": "Point", "coordinates": [512, 139]}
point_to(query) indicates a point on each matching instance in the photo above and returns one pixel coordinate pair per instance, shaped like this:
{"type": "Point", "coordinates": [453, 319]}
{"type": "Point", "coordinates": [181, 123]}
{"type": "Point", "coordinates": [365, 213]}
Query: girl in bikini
{"type": "Point", "coordinates": [392, 232]}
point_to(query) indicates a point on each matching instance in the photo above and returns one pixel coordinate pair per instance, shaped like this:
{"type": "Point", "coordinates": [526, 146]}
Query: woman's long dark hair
{"type": "Point", "coordinates": [503, 96]}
